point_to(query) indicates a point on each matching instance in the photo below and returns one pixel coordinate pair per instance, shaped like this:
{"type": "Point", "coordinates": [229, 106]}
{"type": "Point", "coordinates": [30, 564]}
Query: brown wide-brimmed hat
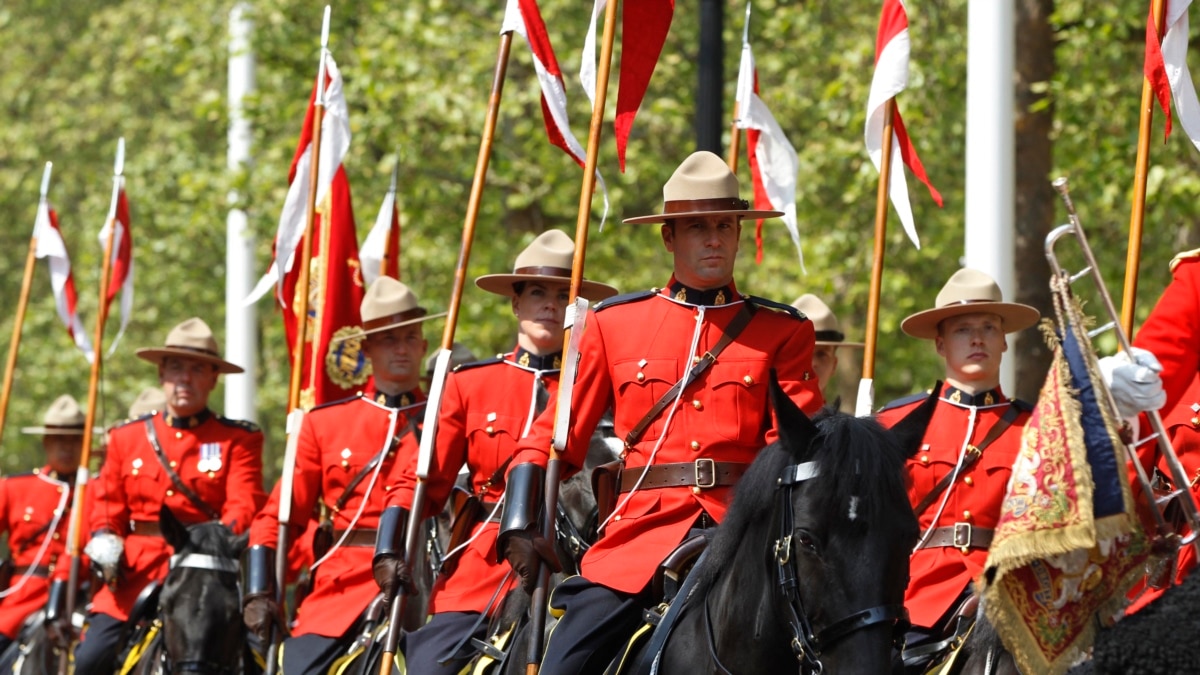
{"type": "Point", "coordinates": [63, 418]}
{"type": "Point", "coordinates": [192, 339]}
{"type": "Point", "coordinates": [149, 400]}
{"type": "Point", "coordinates": [549, 257]}
{"type": "Point", "coordinates": [969, 292]}
{"type": "Point", "coordinates": [387, 304]}
{"type": "Point", "coordinates": [703, 185]}
{"type": "Point", "coordinates": [824, 321]}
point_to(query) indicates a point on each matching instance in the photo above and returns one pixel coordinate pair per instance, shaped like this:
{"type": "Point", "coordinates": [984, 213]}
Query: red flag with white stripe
{"type": "Point", "coordinates": [1167, 70]}
{"type": "Point", "coordinates": [891, 78]}
{"type": "Point", "coordinates": [50, 245]}
{"type": "Point", "coordinates": [120, 276]}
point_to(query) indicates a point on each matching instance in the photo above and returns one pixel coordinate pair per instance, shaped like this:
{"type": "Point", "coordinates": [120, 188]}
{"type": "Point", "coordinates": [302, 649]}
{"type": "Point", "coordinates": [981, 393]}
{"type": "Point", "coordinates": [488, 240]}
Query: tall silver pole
{"type": "Point", "coordinates": [241, 323]}
{"type": "Point", "coordinates": [991, 150]}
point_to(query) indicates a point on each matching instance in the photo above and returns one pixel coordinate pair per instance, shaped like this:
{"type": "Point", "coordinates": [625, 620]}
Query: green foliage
{"type": "Point", "coordinates": [417, 76]}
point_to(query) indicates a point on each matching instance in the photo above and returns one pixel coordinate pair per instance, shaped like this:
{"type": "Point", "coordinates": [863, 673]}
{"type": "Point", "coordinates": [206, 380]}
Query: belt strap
{"type": "Point", "coordinates": [974, 452]}
{"type": "Point", "coordinates": [735, 327]}
{"type": "Point", "coordinates": [703, 473]}
{"type": "Point", "coordinates": [356, 538]}
{"type": "Point", "coordinates": [32, 570]}
{"type": "Point", "coordinates": [145, 528]}
{"type": "Point", "coordinates": [152, 436]}
{"type": "Point", "coordinates": [959, 535]}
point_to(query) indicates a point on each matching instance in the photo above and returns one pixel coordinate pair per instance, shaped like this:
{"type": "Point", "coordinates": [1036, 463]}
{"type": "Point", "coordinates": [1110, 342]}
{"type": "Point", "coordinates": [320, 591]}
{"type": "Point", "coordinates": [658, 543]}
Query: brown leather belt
{"type": "Point", "coordinates": [959, 535]}
{"type": "Point", "coordinates": [38, 571]}
{"type": "Point", "coordinates": [359, 538]}
{"type": "Point", "coordinates": [703, 473]}
{"type": "Point", "coordinates": [145, 528]}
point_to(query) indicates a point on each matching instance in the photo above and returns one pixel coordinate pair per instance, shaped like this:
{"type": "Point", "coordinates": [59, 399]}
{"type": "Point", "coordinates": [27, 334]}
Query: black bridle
{"type": "Point", "coordinates": [806, 643]}
{"type": "Point", "coordinates": [217, 565]}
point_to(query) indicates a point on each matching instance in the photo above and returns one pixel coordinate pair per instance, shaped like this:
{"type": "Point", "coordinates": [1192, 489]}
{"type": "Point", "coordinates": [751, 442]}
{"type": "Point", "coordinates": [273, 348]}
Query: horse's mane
{"type": "Point", "coordinates": [856, 457]}
{"type": "Point", "coordinates": [212, 538]}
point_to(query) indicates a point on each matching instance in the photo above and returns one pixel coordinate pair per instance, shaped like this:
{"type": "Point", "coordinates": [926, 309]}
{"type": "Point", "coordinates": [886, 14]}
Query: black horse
{"type": "Point", "coordinates": [200, 604]}
{"type": "Point", "coordinates": [807, 572]}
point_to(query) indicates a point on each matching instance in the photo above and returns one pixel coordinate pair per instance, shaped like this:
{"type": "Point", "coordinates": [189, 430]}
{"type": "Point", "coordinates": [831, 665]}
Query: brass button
{"type": "Point", "coordinates": [56, 536]}
{"type": "Point", "coordinates": [969, 481]}
{"type": "Point", "coordinates": [174, 464]}
{"type": "Point", "coordinates": [617, 517]}
{"type": "Point", "coordinates": [170, 493]}
{"type": "Point", "coordinates": [25, 517]}
{"type": "Point", "coordinates": [697, 404]}
{"type": "Point", "coordinates": [134, 472]}
{"type": "Point", "coordinates": [345, 464]}
{"type": "Point", "coordinates": [641, 377]}
{"type": "Point", "coordinates": [212, 474]}
{"type": "Point", "coordinates": [964, 550]}
{"type": "Point", "coordinates": [178, 434]}
{"type": "Point", "coordinates": [748, 380]}
{"type": "Point", "coordinates": [806, 376]}
{"type": "Point", "coordinates": [924, 459]}
{"type": "Point", "coordinates": [490, 430]}
{"type": "Point", "coordinates": [1196, 421]}
{"type": "Point", "coordinates": [696, 359]}
{"type": "Point", "coordinates": [695, 445]}
{"type": "Point", "coordinates": [966, 515]}
{"type": "Point", "coordinates": [696, 489]}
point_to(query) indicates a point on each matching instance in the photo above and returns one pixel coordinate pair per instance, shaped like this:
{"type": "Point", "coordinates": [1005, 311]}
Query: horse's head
{"type": "Point", "coordinates": [200, 604]}
{"type": "Point", "coordinates": [844, 531]}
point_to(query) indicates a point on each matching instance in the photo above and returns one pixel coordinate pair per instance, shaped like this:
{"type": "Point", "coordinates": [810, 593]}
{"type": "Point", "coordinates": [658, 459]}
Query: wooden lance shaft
{"type": "Point", "coordinates": [18, 322]}
{"type": "Point", "coordinates": [412, 534]}
{"type": "Point", "coordinates": [1137, 216]}
{"type": "Point", "coordinates": [735, 140]}
{"type": "Point", "coordinates": [537, 621]}
{"type": "Point", "coordinates": [881, 214]}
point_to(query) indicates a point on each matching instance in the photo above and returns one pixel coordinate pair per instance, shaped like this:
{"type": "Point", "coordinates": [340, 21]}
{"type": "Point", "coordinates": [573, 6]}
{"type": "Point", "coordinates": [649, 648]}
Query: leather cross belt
{"type": "Point", "coordinates": [358, 538]}
{"type": "Point", "coordinates": [703, 473]}
{"type": "Point", "coordinates": [38, 571]}
{"type": "Point", "coordinates": [959, 535]}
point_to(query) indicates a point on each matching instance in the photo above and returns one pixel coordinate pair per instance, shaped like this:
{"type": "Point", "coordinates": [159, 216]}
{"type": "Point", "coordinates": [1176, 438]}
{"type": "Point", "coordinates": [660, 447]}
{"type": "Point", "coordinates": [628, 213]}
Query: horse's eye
{"type": "Point", "coordinates": [806, 540]}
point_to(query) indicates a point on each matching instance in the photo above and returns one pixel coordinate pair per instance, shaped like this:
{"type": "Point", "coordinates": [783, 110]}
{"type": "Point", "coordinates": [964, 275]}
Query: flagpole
{"type": "Point", "coordinates": [75, 529]}
{"type": "Point", "coordinates": [442, 363]}
{"type": "Point", "coordinates": [537, 609]}
{"type": "Point", "coordinates": [388, 253]}
{"type": "Point", "coordinates": [866, 392]}
{"type": "Point", "coordinates": [1137, 216]}
{"type": "Point", "coordinates": [22, 303]}
{"type": "Point", "coordinates": [735, 132]}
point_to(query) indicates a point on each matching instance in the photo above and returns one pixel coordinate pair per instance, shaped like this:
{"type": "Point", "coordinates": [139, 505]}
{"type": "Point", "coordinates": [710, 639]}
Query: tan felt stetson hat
{"type": "Point", "coordinates": [703, 185]}
{"type": "Point", "coordinates": [969, 292]}
{"type": "Point", "coordinates": [388, 304]}
{"type": "Point", "coordinates": [549, 257]}
{"type": "Point", "coordinates": [191, 339]}
{"type": "Point", "coordinates": [823, 320]}
{"type": "Point", "coordinates": [63, 418]}
{"type": "Point", "coordinates": [149, 400]}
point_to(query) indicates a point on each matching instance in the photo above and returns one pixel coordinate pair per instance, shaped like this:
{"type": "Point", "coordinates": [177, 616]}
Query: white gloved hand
{"type": "Point", "coordinates": [105, 550]}
{"type": "Point", "coordinates": [1133, 378]}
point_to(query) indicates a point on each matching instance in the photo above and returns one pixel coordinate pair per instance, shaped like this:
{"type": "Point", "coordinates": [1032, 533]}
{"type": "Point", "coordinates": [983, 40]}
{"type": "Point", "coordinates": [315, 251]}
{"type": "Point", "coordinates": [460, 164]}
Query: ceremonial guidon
{"type": "Point", "coordinates": [487, 407]}
{"type": "Point", "coordinates": [346, 453]}
{"type": "Point", "coordinates": [36, 510]}
{"type": "Point", "coordinates": [958, 477]}
{"type": "Point", "coordinates": [686, 446]}
{"type": "Point", "coordinates": [203, 466]}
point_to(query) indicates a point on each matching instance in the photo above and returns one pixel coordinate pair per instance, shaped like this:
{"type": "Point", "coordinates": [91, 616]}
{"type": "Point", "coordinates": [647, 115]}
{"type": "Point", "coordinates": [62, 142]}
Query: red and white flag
{"type": "Point", "coordinates": [644, 28]}
{"type": "Point", "coordinates": [120, 275]}
{"type": "Point", "coordinates": [891, 77]}
{"type": "Point", "coordinates": [380, 252]}
{"type": "Point", "coordinates": [1167, 70]}
{"type": "Point", "coordinates": [525, 19]}
{"type": "Point", "coordinates": [773, 161]}
{"type": "Point", "coordinates": [50, 245]}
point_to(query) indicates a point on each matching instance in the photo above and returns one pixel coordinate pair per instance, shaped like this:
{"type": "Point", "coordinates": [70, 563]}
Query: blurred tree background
{"type": "Point", "coordinates": [80, 73]}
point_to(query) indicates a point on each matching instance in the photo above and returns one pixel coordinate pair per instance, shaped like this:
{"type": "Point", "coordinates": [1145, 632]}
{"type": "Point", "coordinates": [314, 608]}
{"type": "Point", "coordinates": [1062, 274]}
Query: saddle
{"type": "Point", "coordinates": [940, 656]}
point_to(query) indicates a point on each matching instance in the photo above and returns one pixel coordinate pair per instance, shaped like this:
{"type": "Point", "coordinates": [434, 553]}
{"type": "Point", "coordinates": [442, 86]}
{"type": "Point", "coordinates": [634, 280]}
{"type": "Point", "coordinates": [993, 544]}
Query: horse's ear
{"type": "Point", "coordinates": [173, 531]}
{"type": "Point", "coordinates": [796, 430]}
{"type": "Point", "coordinates": [910, 430]}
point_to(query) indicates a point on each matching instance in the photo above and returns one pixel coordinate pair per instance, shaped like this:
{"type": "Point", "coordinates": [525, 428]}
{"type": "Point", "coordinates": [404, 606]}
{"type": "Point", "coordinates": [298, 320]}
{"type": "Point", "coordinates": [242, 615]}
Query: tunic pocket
{"type": "Point", "coordinates": [640, 384]}
{"type": "Point", "coordinates": [739, 400]}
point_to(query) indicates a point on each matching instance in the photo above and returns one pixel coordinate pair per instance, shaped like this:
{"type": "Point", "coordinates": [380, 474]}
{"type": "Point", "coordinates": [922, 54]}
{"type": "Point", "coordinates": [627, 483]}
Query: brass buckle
{"type": "Point", "coordinates": [962, 535]}
{"type": "Point", "coordinates": [712, 473]}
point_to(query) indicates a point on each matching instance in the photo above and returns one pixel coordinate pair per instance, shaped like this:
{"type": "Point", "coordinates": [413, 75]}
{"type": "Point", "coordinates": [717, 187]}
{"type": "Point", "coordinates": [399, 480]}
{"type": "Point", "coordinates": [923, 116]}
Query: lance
{"type": "Point", "coordinates": [735, 130]}
{"type": "Point", "coordinates": [562, 412]}
{"type": "Point", "coordinates": [442, 361]}
{"type": "Point", "coordinates": [866, 386]}
{"type": "Point", "coordinates": [22, 303]}
{"type": "Point", "coordinates": [295, 411]}
{"type": "Point", "coordinates": [1137, 216]}
{"type": "Point", "coordinates": [390, 254]}
{"type": "Point", "coordinates": [75, 528]}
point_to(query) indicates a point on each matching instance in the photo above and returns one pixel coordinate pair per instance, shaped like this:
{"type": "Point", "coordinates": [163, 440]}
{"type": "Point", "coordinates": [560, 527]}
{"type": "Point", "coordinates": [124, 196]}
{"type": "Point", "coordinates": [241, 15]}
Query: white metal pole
{"type": "Point", "coordinates": [241, 323]}
{"type": "Point", "coordinates": [991, 149]}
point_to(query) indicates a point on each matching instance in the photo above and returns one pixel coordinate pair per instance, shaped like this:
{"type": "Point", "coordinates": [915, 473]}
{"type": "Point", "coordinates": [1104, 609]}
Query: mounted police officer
{"type": "Point", "coordinates": [488, 407]}
{"type": "Point", "coordinates": [203, 466]}
{"type": "Point", "coordinates": [958, 477]}
{"type": "Point", "coordinates": [686, 445]}
{"type": "Point", "coordinates": [346, 453]}
{"type": "Point", "coordinates": [829, 338]}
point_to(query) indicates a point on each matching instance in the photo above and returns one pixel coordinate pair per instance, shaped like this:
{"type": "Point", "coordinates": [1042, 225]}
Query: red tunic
{"type": "Point", "coordinates": [1172, 331]}
{"type": "Point", "coordinates": [336, 441]}
{"type": "Point", "coordinates": [485, 410]}
{"type": "Point", "coordinates": [939, 575]}
{"type": "Point", "coordinates": [631, 353]}
{"type": "Point", "coordinates": [218, 458]}
{"type": "Point", "coordinates": [29, 504]}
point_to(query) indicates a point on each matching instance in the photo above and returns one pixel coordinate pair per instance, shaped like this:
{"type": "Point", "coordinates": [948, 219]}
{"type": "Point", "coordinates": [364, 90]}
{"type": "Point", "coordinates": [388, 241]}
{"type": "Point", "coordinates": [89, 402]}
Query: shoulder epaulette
{"type": "Point", "coordinates": [776, 306]}
{"type": "Point", "coordinates": [245, 425]}
{"type": "Point", "coordinates": [131, 420]}
{"type": "Point", "coordinates": [337, 402]}
{"type": "Point", "coordinates": [625, 298]}
{"type": "Point", "coordinates": [23, 474]}
{"type": "Point", "coordinates": [900, 402]}
{"type": "Point", "coordinates": [1023, 406]}
{"type": "Point", "coordinates": [499, 358]}
{"type": "Point", "coordinates": [1193, 254]}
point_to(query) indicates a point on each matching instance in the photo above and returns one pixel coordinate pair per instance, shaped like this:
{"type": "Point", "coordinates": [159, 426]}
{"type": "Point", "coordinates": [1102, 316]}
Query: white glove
{"type": "Point", "coordinates": [105, 550]}
{"type": "Point", "coordinates": [1135, 384]}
